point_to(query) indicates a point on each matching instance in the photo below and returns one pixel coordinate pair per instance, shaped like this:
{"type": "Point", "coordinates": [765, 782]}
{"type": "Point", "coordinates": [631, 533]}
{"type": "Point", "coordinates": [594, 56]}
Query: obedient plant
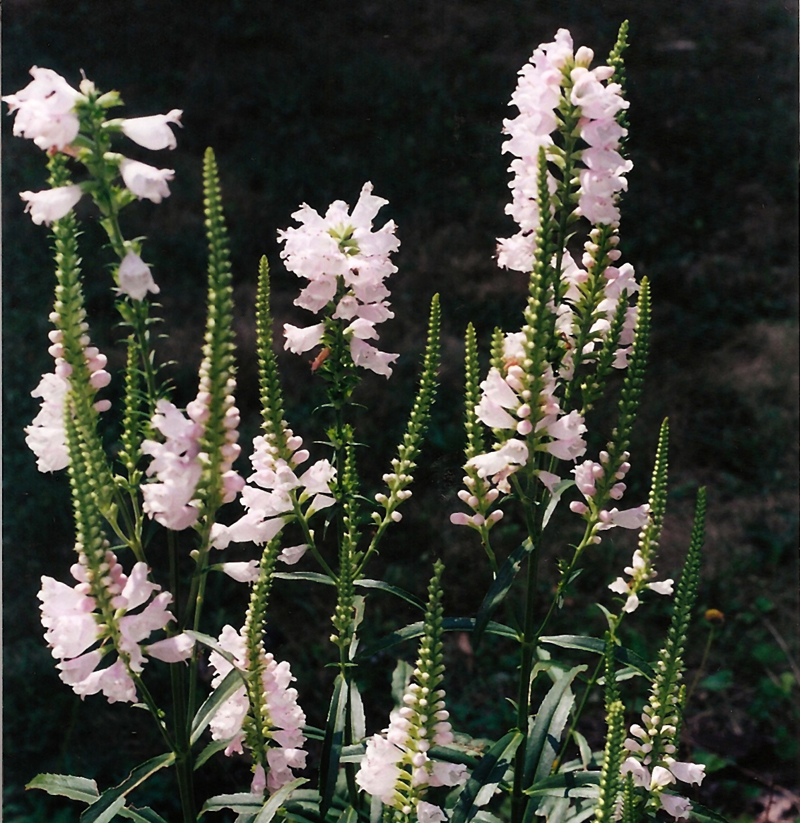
{"type": "Point", "coordinates": [531, 444]}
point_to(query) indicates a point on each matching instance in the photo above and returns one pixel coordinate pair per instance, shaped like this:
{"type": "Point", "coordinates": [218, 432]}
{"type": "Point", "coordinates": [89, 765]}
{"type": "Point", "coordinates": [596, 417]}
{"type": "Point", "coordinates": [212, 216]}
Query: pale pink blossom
{"type": "Point", "coordinates": [342, 249]}
{"type": "Point", "coordinates": [51, 204]}
{"type": "Point", "coordinates": [46, 436]}
{"type": "Point", "coordinates": [145, 181]}
{"type": "Point", "coordinates": [292, 554]}
{"type": "Point", "coordinates": [135, 278]}
{"type": "Point", "coordinates": [170, 501]}
{"type": "Point", "coordinates": [242, 571]}
{"type": "Point", "coordinates": [677, 807]}
{"type": "Point", "coordinates": [73, 626]}
{"type": "Point", "coordinates": [45, 110]}
{"type": "Point", "coordinates": [299, 340]}
{"type": "Point", "coordinates": [428, 813]}
{"type": "Point", "coordinates": [153, 132]}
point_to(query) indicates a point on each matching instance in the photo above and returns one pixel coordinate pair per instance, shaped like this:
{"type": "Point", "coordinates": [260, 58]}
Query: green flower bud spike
{"type": "Point", "coordinates": [217, 382]}
{"type": "Point", "coordinates": [616, 61]}
{"type": "Point", "coordinates": [629, 399]}
{"type": "Point", "coordinates": [408, 451]}
{"type": "Point", "coordinates": [257, 726]}
{"type": "Point", "coordinates": [665, 699]}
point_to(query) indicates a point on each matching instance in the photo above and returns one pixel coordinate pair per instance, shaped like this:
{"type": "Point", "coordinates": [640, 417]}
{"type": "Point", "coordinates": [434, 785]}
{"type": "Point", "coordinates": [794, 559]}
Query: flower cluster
{"type": "Point", "coordinates": [98, 610]}
{"type": "Point", "coordinates": [176, 463]}
{"type": "Point", "coordinates": [274, 490]}
{"type": "Point", "coordinates": [525, 422]}
{"type": "Point", "coordinates": [283, 717]}
{"type": "Point", "coordinates": [658, 732]}
{"type": "Point", "coordinates": [587, 475]}
{"type": "Point", "coordinates": [641, 573]}
{"type": "Point", "coordinates": [46, 436]}
{"type": "Point", "coordinates": [346, 264]}
{"type": "Point", "coordinates": [554, 87]}
{"type": "Point", "coordinates": [51, 113]}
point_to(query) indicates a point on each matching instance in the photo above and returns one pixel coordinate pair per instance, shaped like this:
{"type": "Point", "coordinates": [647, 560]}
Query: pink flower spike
{"type": "Point", "coordinates": [135, 279]}
{"type": "Point", "coordinates": [153, 132]}
{"type": "Point", "coordinates": [50, 204]}
{"type": "Point", "coordinates": [146, 181]}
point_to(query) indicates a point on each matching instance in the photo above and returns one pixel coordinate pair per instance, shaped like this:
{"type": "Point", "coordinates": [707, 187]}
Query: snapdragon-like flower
{"type": "Point", "coordinates": [536, 97]}
{"type": "Point", "coordinates": [344, 261]}
{"type": "Point", "coordinates": [75, 623]}
{"type": "Point", "coordinates": [45, 110]}
{"type": "Point", "coordinates": [268, 499]}
{"type": "Point", "coordinates": [144, 180]}
{"type": "Point", "coordinates": [135, 278]}
{"type": "Point", "coordinates": [282, 718]}
{"type": "Point", "coordinates": [50, 204]}
{"type": "Point", "coordinates": [153, 132]}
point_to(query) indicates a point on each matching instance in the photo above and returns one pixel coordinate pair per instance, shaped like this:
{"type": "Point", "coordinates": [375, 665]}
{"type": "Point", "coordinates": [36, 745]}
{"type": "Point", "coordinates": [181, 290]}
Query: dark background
{"type": "Point", "coordinates": [303, 102]}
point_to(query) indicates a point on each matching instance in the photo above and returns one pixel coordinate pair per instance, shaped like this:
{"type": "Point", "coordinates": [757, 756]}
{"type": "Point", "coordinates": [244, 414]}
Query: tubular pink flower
{"type": "Point", "coordinates": [146, 181]}
{"type": "Point", "coordinates": [51, 204]}
{"type": "Point", "coordinates": [135, 278]}
{"type": "Point", "coordinates": [153, 132]}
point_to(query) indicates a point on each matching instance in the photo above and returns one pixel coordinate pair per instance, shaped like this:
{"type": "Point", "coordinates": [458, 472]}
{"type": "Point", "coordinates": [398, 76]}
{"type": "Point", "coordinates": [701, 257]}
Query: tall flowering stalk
{"type": "Point", "coordinates": [397, 767]}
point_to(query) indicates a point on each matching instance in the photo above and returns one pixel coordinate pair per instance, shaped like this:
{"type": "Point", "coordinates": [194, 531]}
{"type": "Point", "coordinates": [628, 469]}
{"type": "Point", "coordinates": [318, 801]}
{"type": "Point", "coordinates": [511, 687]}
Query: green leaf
{"type": "Point", "coordinates": [485, 778]}
{"type": "Point", "coordinates": [568, 784]}
{"type": "Point", "coordinates": [499, 589]}
{"type": "Point", "coordinates": [242, 802]}
{"type": "Point", "coordinates": [277, 800]}
{"type": "Point", "coordinates": [449, 624]}
{"type": "Point", "coordinates": [314, 577]}
{"type": "Point", "coordinates": [232, 682]}
{"type": "Point", "coordinates": [545, 730]}
{"type": "Point", "coordinates": [97, 812]}
{"type": "Point", "coordinates": [367, 583]}
{"type": "Point", "coordinates": [143, 815]}
{"type": "Point", "coordinates": [66, 785]}
{"type": "Point", "coordinates": [597, 646]}
{"type": "Point", "coordinates": [211, 643]}
{"type": "Point", "coordinates": [358, 720]}
{"type": "Point", "coordinates": [349, 815]}
{"type": "Point", "coordinates": [555, 497]}
{"type": "Point", "coordinates": [210, 750]}
{"type": "Point", "coordinates": [703, 815]}
{"type": "Point", "coordinates": [332, 745]}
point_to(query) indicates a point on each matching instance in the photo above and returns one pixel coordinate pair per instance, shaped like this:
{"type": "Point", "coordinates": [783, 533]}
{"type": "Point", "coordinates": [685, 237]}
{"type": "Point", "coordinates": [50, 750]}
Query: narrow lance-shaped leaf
{"type": "Point", "coordinates": [111, 798]}
{"type": "Point", "coordinates": [485, 778]}
{"type": "Point", "coordinates": [332, 744]}
{"type": "Point", "coordinates": [500, 588]}
{"type": "Point", "coordinates": [545, 729]}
